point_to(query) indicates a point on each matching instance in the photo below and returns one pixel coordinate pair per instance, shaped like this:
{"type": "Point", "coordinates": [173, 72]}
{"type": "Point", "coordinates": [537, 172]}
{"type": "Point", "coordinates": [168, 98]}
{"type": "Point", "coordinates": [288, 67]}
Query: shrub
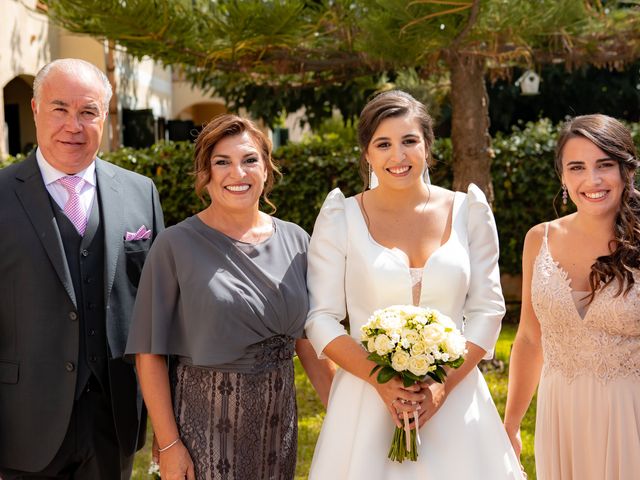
{"type": "Point", "coordinates": [525, 185]}
{"type": "Point", "coordinates": [524, 179]}
{"type": "Point", "coordinates": [310, 170]}
{"type": "Point", "coordinates": [170, 165]}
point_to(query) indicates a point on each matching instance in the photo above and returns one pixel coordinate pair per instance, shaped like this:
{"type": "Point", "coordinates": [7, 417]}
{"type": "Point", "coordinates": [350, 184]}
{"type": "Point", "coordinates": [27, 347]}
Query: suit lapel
{"type": "Point", "coordinates": [34, 197]}
{"type": "Point", "coordinates": [112, 209]}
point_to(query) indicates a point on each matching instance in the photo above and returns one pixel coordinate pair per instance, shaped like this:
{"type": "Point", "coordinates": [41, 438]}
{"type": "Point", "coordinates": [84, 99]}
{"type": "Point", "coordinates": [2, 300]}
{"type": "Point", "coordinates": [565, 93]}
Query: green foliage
{"type": "Point", "coordinates": [526, 186]}
{"type": "Point", "coordinates": [312, 169]}
{"type": "Point", "coordinates": [270, 56]}
{"type": "Point", "coordinates": [169, 164]}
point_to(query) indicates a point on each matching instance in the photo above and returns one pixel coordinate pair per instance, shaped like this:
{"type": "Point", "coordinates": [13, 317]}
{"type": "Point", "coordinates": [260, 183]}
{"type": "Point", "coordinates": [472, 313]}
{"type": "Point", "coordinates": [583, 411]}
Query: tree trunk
{"type": "Point", "coordinates": [470, 124]}
{"type": "Point", "coordinates": [114, 130]}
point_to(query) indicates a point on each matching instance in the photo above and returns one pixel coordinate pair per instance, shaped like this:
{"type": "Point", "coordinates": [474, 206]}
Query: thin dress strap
{"type": "Point", "coordinates": [546, 235]}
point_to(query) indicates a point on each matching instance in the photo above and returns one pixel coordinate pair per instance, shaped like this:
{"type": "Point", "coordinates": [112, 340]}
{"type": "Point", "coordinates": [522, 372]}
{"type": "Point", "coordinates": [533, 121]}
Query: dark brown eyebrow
{"type": "Point", "coordinates": [408, 135]}
{"type": "Point", "coordinates": [220, 155]}
{"type": "Point", "coordinates": [581, 162]}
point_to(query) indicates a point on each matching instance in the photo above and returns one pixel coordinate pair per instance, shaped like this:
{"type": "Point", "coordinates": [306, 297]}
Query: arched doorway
{"type": "Point", "coordinates": [190, 120]}
{"type": "Point", "coordinates": [18, 118]}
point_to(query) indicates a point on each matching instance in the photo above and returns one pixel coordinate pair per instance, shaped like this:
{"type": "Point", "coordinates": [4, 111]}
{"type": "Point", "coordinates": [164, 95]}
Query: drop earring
{"type": "Point", "coordinates": [564, 194]}
{"type": "Point", "coordinates": [373, 179]}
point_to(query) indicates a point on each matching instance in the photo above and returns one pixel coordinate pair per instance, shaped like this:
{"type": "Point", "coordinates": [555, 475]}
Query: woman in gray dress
{"type": "Point", "coordinates": [223, 296]}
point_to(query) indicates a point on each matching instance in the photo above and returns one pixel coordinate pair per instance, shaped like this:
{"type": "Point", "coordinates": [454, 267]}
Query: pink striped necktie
{"type": "Point", "coordinates": [73, 209]}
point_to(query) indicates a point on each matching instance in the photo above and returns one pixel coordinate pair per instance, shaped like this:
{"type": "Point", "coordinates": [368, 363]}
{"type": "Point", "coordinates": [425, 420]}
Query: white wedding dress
{"type": "Point", "coordinates": [350, 274]}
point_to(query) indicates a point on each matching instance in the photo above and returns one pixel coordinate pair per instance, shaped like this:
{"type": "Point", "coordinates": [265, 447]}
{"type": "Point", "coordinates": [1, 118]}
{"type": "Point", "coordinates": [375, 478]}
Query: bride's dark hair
{"type": "Point", "coordinates": [614, 139]}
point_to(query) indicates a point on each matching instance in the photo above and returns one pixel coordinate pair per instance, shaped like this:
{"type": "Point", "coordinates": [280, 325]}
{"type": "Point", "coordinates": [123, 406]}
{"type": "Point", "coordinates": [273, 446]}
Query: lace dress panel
{"type": "Point", "coordinates": [604, 344]}
{"type": "Point", "coordinates": [239, 426]}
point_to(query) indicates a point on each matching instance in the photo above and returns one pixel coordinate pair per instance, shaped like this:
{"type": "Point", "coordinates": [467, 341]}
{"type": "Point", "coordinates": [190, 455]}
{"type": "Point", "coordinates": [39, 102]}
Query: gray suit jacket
{"type": "Point", "coordinates": [39, 331]}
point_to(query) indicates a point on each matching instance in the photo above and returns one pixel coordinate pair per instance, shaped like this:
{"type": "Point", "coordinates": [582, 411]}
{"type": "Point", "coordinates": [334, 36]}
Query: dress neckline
{"type": "Point", "coordinates": [576, 296]}
{"type": "Point", "coordinates": [235, 241]}
{"type": "Point", "coordinates": [397, 251]}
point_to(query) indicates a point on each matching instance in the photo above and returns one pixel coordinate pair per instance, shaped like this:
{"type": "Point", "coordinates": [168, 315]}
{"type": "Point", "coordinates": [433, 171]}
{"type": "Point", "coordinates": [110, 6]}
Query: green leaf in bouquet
{"type": "Point", "coordinates": [375, 369]}
{"type": "Point", "coordinates": [408, 380]}
{"type": "Point", "coordinates": [379, 359]}
{"type": "Point", "coordinates": [438, 374]}
{"type": "Point", "coordinates": [456, 363]}
{"type": "Point", "coordinates": [385, 374]}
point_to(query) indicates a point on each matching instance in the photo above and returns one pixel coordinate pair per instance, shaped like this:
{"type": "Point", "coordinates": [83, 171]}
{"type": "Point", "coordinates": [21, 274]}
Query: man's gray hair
{"type": "Point", "coordinates": [72, 66]}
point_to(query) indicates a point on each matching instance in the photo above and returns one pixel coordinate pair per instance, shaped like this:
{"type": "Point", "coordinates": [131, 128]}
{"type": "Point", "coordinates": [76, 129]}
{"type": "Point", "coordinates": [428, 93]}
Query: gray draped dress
{"type": "Point", "coordinates": [227, 314]}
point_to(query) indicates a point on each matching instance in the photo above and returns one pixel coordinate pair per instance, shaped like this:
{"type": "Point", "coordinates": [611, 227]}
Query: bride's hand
{"type": "Point", "coordinates": [394, 392]}
{"type": "Point", "coordinates": [435, 395]}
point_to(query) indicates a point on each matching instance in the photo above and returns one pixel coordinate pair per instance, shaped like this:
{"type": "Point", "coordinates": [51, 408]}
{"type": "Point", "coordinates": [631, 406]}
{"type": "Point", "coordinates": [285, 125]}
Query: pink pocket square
{"type": "Point", "coordinates": [141, 234]}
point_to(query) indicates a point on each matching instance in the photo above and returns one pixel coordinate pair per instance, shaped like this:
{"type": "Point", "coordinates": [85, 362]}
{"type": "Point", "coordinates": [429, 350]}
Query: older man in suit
{"type": "Point", "coordinates": [75, 233]}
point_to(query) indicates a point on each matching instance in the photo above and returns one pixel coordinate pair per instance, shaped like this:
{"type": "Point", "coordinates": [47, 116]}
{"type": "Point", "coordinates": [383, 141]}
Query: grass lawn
{"type": "Point", "coordinates": [311, 414]}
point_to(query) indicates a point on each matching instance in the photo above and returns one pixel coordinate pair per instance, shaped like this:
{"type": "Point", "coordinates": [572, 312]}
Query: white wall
{"type": "Point", "coordinates": [24, 47]}
{"type": "Point", "coordinates": [28, 41]}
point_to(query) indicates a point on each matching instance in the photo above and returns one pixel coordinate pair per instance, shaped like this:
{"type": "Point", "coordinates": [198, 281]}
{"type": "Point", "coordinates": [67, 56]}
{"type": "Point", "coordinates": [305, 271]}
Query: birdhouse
{"type": "Point", "coordinates": [529, 83]}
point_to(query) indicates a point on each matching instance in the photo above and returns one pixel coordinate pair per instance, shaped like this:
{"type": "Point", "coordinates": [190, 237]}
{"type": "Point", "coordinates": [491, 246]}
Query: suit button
{"type": "Point", "coordinates": [73, 316]}
{"type": "Point", "coordinates": [92, 332]}
{"type": "Point", "coordinates": [69, 367]}
{"type": "Point", "coordinates": [85, 253]}
{"type": "Point", "coordinates": [88, 280]}
{"type": "Point", "coordinates": [93, 358]}
{"type": "Point", "coordinates": [91, 306]}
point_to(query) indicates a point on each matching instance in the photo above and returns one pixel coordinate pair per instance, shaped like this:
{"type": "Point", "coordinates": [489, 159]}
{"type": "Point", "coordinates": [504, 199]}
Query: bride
{"type": "Point", "coordinates": [404, 241]}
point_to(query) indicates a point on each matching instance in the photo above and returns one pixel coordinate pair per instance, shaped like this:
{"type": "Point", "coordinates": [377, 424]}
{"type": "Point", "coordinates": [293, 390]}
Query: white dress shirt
{"type": "Point", "coordinates": [51, 175]}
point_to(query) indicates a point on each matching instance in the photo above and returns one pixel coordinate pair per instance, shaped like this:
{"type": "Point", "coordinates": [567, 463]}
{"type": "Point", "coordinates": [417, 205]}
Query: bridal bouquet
{"type": "Point", "coordinates": [412, 343]}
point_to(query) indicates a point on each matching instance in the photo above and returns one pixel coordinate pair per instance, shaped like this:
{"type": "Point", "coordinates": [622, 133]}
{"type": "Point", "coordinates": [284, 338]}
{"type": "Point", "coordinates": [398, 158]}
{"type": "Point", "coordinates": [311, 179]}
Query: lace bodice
{"type": "Point", "coordinates": [605, 343]}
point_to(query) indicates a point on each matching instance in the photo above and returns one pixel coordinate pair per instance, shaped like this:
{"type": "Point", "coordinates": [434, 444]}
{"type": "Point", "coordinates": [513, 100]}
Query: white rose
{"type": "Point", "coordinates": [421, 319]}
{"type": "Point", "coordinates": [419, 348]}
{"type": "Point", "coordinates": [391, 321]}
{"type": "Point", "coordinates": [455, 345]}
{"type": "Point", "coordinates": [419, 365]}
{"type": "Point", "coordinates": [383, 344]}
{"type": "Point", "coordinates": [400, 361]}
{"type": "Point", "coordinates": [433, 334]}
{"type": "Point", "coordinates": [364, 335]}
{"type": "Point", "coordinates": [371, 345]}
{"type": "Point", "coordinates": [410, 335]}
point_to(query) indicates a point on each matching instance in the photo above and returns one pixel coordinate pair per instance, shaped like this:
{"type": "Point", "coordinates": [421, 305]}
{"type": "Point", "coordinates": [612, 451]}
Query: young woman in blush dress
{"type": "Point", "coordinates": [579, 333]}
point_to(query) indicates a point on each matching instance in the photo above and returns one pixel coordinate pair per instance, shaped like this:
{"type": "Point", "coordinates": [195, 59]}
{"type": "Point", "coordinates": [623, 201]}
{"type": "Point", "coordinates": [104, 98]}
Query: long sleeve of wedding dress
{"type": "Point", "coordinates": [349, 276]}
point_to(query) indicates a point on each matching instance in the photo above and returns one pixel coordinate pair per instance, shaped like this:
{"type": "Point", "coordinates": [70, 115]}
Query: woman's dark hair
{"type": "Point", "coordinates": [614, 139]}
{"type": "Point", "coordinates": [389, 104]}
{"type": "Point", "coordinates": [228, 125]}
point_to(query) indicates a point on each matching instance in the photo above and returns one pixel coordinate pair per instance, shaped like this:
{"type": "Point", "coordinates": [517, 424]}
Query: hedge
{"type": "Point", "coordinates": [524, 180]}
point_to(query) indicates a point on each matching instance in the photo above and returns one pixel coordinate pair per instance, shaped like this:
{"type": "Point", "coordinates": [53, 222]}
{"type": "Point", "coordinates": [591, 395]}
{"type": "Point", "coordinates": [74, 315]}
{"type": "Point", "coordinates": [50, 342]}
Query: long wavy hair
{"type": "Point", "coordinates": [614, 139]}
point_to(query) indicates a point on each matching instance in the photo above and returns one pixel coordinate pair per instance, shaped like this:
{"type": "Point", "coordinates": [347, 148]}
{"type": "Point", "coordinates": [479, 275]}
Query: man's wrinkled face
{"type": "Point", "coordinates": [69, 117]}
